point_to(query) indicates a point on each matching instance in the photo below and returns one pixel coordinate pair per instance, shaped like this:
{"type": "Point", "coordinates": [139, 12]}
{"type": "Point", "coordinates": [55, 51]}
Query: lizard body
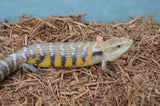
{"type": "Point", "coordinates": [65, 55]}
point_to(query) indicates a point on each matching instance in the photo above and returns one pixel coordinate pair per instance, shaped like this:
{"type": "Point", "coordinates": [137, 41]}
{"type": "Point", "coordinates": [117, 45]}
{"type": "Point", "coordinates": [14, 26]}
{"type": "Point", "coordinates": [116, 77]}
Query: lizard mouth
{"type": "Point", "coordinates": [119, 50]}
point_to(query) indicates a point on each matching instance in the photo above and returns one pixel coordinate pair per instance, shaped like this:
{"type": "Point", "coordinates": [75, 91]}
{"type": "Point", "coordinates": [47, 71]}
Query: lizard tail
{"type": "Point", "coordinates": [10, 64]}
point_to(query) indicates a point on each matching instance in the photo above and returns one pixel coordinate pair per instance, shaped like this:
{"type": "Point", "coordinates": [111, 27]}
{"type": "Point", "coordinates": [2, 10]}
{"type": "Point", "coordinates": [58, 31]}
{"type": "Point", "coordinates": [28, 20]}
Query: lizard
{"type": "Point", "coordinates": [65, 55]}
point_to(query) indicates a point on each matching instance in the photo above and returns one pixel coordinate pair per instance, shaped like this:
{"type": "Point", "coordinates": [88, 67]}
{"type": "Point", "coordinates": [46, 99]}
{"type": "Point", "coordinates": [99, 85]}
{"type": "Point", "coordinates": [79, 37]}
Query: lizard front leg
{"type": "Point", "coordinates": [105, 69]}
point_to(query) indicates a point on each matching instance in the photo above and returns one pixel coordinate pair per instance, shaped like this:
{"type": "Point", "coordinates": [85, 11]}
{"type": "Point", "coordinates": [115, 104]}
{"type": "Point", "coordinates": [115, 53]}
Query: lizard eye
{"type": "Point", "coordinates": [118, 46]}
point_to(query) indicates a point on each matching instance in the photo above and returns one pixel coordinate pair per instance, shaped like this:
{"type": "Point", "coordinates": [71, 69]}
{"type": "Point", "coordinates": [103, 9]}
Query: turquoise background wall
{"type": "Point", "coordinates": [99, 10]}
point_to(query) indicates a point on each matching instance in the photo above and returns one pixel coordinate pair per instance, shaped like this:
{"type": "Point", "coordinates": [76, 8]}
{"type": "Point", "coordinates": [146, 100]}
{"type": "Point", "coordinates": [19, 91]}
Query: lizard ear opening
{"type": "Point", "coordinates": [97, 53]}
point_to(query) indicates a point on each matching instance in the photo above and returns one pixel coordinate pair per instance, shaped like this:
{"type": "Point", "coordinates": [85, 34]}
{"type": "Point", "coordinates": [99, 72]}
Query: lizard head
{"type": "Point", "coordinates": [115, 47]}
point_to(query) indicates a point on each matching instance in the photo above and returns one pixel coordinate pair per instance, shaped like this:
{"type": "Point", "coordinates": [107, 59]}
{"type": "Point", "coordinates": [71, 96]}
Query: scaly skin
{"type": "Point", "coordinates": [65, 55]}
